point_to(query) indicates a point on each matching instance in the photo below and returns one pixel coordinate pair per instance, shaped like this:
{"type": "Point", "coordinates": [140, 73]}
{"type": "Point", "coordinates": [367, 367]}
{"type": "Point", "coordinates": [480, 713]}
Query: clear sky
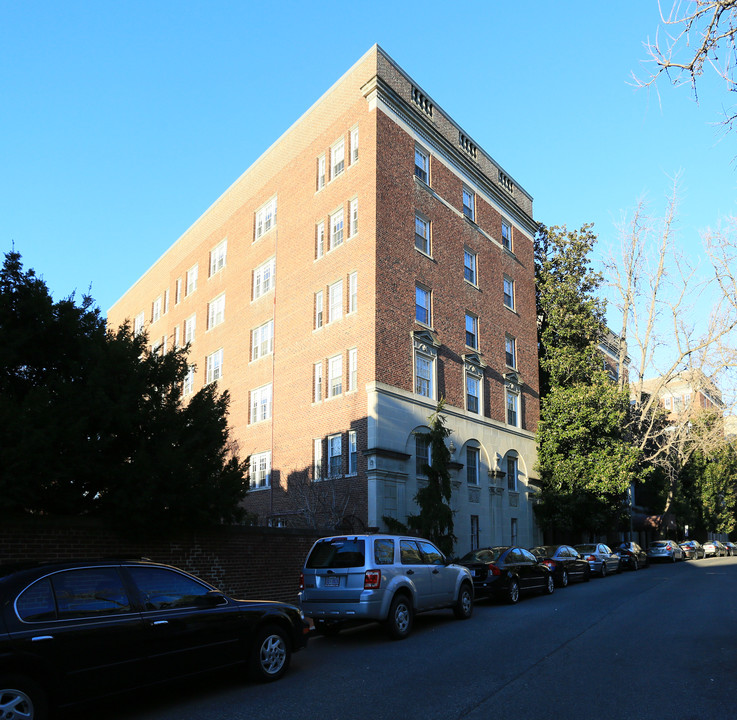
{"type": "Point", "coordinates": [121, 123]}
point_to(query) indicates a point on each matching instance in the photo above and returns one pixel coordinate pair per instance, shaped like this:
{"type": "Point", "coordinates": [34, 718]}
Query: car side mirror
{"type": "Point", "coordinates": [212, 599]}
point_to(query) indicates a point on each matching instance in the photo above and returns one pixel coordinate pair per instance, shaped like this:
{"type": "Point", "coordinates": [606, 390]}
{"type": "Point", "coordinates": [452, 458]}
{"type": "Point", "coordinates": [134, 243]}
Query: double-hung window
{"type": "Point", "coordinates": [319, 317]}
{"type": "Point", "coordinates": [216, 311]}
{"type": "Point", "coordinates": [266, 218]}
{"type": "Point", "coordinates": [469, 204]}
{"type": "Point", "coordinates": [337, 158]}
{"type": "Point", "coordinates": [352, 369]}
{"type": "Point", "coordinates": [260, 471]}
{"type": "Point", "coordinates": [317, 459]}
{"type": "Point", "coordinates": [178, 291]}
{"type": "Point", "coordinates": [472, 331]}
{"type": "Point", "coordinates": [472, 466]}
{"type": "Point", "coordinates": [512, 473]}
{"type": "Point", "coordinates": [510, 351]}
{"type": "Point", "coordinates": [190, 325]}
{"type": "Point", "coordinates": [320, 240]}
{"type": "Point", "coordinates": [354, 145]}
{"type": "Point", "coordinates": [353, 217]}
{"type": "Point", "coordinates": [336, 301]}
{"type": "Point", "coordinates": [353, 292]}
{"type": "Point", "coordinates": [263, 278]}
{"type": "Point", "coordinates": [506, 235]}
{"type": "Point", "coordinates": [188, 385]}
{"type": "Point", "coordinates": [191, 280]}
{"type": "Point", "coordinates": [156, 309]}
{"type": "Point", "coordinates": [261, 404]}
{"type": "Point", "coordinates": [214, 366]}
{"type": "Point", "coordinates": [424, 375]}
{"type": "Point", "coordinates": [335, 376]}
{"type": "Point", "coordinates": [138, 322]}
{"type": "Point", "coordinates": [512, 408]}
{"type": "Point", "coordinates": [423, 310]}
{"type": "Point", "coordinates": [352, 452]}
{"type": "Point", "coordinates": [321, 172]}
{"type": "Point", "coordinates": [262, 340]}
{"type": "Point", "coordinates": [335, 456]}
{"type": "Point", "coordinates": [318, 382]}
{"type": "Point", "coordinates": [217, 257]}
{"type": "Point", "coordinates": [336, 229]}
{"type": "Point", "coordinates": [422, 234]}
{"type": "Point", "coordinates": [422, 164]}
{"type": "Point", "coordinates": [422, 453]}
{"type": "Point", "coordinates": [509, 292]}
{"type": "Point", "coordinates": [469, 266]}
{"type": "Point", "coordinates": [473, 393]}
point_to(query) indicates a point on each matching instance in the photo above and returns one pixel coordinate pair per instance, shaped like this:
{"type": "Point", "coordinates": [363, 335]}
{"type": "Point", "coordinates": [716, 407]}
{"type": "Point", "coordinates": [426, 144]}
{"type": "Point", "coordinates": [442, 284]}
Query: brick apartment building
{"type": "Point", "coordinates": [372, 261]}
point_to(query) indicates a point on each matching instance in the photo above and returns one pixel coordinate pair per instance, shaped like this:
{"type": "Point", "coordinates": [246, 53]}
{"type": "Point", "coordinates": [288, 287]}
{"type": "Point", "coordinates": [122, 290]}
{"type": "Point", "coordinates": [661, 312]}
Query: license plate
{"type": "Point", "coordinates": [331, 581]}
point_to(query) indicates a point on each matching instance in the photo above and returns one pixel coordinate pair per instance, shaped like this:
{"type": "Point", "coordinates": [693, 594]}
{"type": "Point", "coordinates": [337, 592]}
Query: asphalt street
{"type": "Point", "coordinates": [656, 643]}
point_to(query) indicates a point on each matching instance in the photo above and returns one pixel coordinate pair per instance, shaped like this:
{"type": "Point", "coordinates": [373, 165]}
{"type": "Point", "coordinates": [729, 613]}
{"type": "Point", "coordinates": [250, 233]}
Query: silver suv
{"type": "Point", "coordinates": [360, 578]}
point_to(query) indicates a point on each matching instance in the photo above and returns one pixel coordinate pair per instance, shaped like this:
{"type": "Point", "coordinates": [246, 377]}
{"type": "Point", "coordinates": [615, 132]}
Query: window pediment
{"type": "Point", "coordinates": [426, 341]}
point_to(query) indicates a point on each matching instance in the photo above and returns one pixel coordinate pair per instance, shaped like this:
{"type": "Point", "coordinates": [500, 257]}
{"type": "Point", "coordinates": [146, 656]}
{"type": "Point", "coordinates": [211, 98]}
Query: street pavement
{"type": "Point", "coordinates": [659, 643]}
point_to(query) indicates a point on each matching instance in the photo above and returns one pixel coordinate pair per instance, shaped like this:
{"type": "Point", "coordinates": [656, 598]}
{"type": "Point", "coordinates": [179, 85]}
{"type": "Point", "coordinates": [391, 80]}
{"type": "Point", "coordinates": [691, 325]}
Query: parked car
{"type": "Point", "coordinates": [714, 548]}
{"type": "Point", "coordinates": [565, 563]}
{"type": "Point", "coordinates": [689, 552]}
{"type": "Point", "coordinates": [360, 578]}
{"type": "Point", "coordinates": [697, 547]}
{"type": "Point", "coordinates": [600, 558]}
{"type": "Point", "coordinates": [632, 556]}
{"type": "Point", "coordinates": [668, 550]}
{"type": "Point", "coordinates": [731, 548]}
{"type": "Point", "coordinates": [73, 631]}
{"type": "Point", "coordinates": [507, 572]}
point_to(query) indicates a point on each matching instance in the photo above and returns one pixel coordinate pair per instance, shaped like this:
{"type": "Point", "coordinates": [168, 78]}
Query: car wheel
{"type": "Point", "coordinates": [271, 653]}
{"type": "Point", "coordinates": [399, 622]}
{"type": "Point", "coordinates": [603, 570]}
{"type": "Point", "coordinates": [513, 592]}
{"type": "Point", "coordinates": [635, 565]}
{"type": "Point", "coordinates": [564, 579]}
{"type": "Point", "coordinates": [673, 558]}
{"type": "Point", "coordinates": [463, 609]}
{"type": "Point", "coordinates": [549, 585]}
{"type": "Point", "coordinates": [21, 697]}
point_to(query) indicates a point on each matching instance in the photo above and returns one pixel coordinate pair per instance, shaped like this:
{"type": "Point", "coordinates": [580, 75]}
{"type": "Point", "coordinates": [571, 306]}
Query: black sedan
{"type": "Point", "coordinates": [506, 572]}
{"type": "Point", "coordinates": [632, 556]}
{"type": "Point", "coordinates": [564, 562]}
{"type": "Point", "coordinates": [73, 631]}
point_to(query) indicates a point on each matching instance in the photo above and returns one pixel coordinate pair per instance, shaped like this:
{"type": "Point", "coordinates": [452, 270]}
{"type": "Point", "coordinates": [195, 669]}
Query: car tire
{"type": "Point", "coordinates": [564, 579]}
{"type": "Point", "coordinates": [270, 653]}
{"type": "Point", "coordinates": [673, 558]}
{"type": "Point", "coordinates": [399, 621]}
{"type": "Point", "coordinates": [463, 609]}
{"type": "Point", "coordinates": [587, 575]}
{"type": "Point", "coordinates": [23, 697]}
{"type": "Point", "coordinates": [513, 592]}
{"type": "Point", "coordinates": [603, 571]}
{"type": "Point", "coordinates": [549, 585]}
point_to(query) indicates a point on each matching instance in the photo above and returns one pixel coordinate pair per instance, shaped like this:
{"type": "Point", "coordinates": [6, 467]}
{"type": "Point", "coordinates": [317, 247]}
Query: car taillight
{"type": "Point", "coordinates": [372, 580]}
{"type": "Point", "coordinates": [549, 563]}
{"type": "Point", "coordinates": [591, 558]}
{"type": "Point", "coordinates": [301, 581]}
{"type": "Point", "coordinates": [494, 570]}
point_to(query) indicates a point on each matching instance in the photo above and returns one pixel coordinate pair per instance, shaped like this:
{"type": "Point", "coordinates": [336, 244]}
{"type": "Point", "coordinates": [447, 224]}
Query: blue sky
{"type": "Point", "coordinates": [121, 123]}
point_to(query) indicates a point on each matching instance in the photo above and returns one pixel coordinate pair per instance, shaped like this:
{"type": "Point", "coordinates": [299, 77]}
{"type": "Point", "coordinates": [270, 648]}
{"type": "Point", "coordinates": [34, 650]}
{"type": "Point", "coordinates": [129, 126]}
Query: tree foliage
{"type": "Point", "coordinates": [584, 460]}
{"type": "Point", "coordinates": [92, 422]}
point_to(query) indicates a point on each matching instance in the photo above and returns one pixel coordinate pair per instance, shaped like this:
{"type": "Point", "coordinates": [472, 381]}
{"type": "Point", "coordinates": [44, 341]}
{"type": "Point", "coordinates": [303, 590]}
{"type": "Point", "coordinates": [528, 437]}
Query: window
{"type": "Point", "coordinates": [188, 385]}
{"type": "Point", "coordinates": [335, 456]}
{"type": "Point", "coordinates": [353, 217]}
{"type": "Point", "coordinates": [266, 218]}
{"type": "Point", "coordinates": [513, 531]}
{"type": "Point", "coordinates": [352, 452]}
{"type": "Point", "coordinates": [336, 229]}
{"type": "Point", "coordinates": [336, 301]}
{"type": "Point", "coordinates": [191, 280]}
{"type": "Point", "coordinates": [422, 453]}
{"type": "Point", "coordinates": [354, 145]}
{"type": "Point", "coordinates": [512, 473]}
{"type": "Point", "coordinates": [166, 301]}
{"type": "Point", "coordinates": [261, 404]}
{"type": "Point", "coordinates": [217, 257]}
{"type": "Point", "coordinates": [335, 375]}
{"type": "Point", "coordinates": [472, 331]}
{"type": "Point", "coordinates": [506, 235]}
{"type": "Point", "coordinates": [473, 394]}
{"type": "Point", "coordinates": [263, 278]}
{"type": "Point", "coordinates": [178, 291]}
{"type": "Point", "coordinates": [423, 311]}
{"type": "Point", "coordinates": [138, 322]}
{"type": "Point", "coordinates": [320, 240]}
{"type": "Point", "coordinates": [469, 204]}
{"type": "Point", "coordinates": [422, 234]}
{"type": "Point", "coordinates": [318, 309]}
{"type": "Point", "coordinates": [260, 470]}
{"type": "Point", "coordinates": [176, 336]}
{"type": "Point", "coordinates": [472, 466]}
{"type": "Point", "coordinates": [353, 292]}
{"type": "Point", "coordinates": [317, 459]}
{"type": "Point", "coordinates": [512, 402]}
{"type": "Point", "coordinates": [321, 172]}
{"type": "Point", "coordinates": [337, 159]}
{"type": "Point", "coordinates": [318, 382]}
{"type": "Point", "coordinates": [156, 309]}
{"type": "Point", "coordinates": [469, 266]}
{"type": "Point", "coordinates": [216, 311]}
{"type": "Point", "coordinates": [424, 375]}
{"type": "Point", "coordinates": [214, 366]}
{"type": "Point", "coordinates": [190, 324]}
{"type": "Point", "coordinates": [422, 164]}
{"type": "Point", "coordinates": [667, 403]}
{"type": "Point", "coordinates": [510, 351]}
{"type": "Point", "coordinates": [352, 370]}
{"type": "Point", "coordinates": [509, 292]}
{"type": "Point", "coordinates": [262, 340]}
{"type": "Point", "coordinates": [474, 532]}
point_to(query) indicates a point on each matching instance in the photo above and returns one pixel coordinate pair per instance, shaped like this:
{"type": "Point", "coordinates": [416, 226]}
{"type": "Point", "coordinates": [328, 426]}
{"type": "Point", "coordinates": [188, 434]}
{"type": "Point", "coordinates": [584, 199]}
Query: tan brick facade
{"type": "Point", "coordinates": [363, 275]}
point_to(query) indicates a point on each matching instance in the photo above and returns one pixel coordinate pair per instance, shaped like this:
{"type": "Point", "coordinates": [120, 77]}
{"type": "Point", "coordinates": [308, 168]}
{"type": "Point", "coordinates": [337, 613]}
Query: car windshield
{"type": "Point", "coordinates": [544, 551]}
{"type": "Point", "coordinates": [586, 548]}
{"type": "Point", "coordinates": [337, 553]}
{"type": "Point", "coordinates": [483, 555]}
{"type": "Point", "coordinates": [659, 544]}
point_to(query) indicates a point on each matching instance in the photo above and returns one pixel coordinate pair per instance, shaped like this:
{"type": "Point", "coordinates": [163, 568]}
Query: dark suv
{"type": "Point", "coordinates": [74, 631]}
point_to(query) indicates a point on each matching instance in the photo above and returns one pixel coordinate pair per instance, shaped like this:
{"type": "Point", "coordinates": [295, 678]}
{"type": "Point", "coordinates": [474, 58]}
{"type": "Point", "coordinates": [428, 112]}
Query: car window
{"type": "Point", "coordinates": [410, 553]}
{"type": "Point", "coordinates": [431, 554]}
{"type": "Point", "coordinates": [164, 589]}
{"type": "Point", "coordinates": [36, 603]}
{"type": "Point", "coordinates": [586, 548]}
{"type": "Point", "coordinates": [384, 551]}
{"type": "Point", "coordinates": [337, 553]}
{"type": "Point", "coordinates": [527, 556]}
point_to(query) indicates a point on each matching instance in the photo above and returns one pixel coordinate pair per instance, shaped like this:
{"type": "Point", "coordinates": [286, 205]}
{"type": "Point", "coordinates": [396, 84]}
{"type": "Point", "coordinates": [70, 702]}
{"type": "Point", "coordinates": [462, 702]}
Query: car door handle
{"type": "Point", "coordinates": [160, 622]}
{"type": "Point", "coordinates": [410, 572]}
{"type": "Point", "coordinates": [39, 638]}
{"type": "Point", "coordinates": [435, 571]}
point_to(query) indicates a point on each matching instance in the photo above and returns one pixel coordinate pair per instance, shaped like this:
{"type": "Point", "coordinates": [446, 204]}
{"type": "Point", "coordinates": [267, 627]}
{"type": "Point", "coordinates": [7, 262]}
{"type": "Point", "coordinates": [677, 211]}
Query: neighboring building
{"type": "Point", "coordinates": [370, 262]}
{"type": "Point", "coordinates": [686, 394]}
{"type": "Point", "coordinates": [610, 347]}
